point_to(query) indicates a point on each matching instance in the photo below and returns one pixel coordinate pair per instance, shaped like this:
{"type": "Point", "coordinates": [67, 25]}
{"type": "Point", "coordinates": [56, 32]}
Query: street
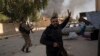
{"type": "Point", "coordinates": [78, 47]}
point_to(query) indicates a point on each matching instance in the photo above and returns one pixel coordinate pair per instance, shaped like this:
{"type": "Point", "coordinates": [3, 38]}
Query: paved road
{"type": "Point", "coordinates": [79, 47]}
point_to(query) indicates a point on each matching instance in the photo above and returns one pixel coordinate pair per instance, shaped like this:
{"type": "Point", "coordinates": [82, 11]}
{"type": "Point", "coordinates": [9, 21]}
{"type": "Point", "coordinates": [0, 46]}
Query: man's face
{"type": "Point", "coordinates": [54, 22]}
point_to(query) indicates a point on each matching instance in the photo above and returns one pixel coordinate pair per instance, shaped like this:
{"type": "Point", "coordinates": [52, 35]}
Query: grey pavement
{"type": "Point", "coordinates": [79, 47]}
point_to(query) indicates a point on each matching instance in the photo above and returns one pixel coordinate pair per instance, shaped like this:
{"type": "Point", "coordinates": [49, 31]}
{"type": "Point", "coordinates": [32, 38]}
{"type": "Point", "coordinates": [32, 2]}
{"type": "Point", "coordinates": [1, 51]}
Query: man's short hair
{"type": "Point", "coordinates": [54, 16]}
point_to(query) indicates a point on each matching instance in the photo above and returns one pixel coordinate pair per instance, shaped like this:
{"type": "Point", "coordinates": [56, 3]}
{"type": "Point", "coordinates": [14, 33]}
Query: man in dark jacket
{"type": "Point", "coordinates": [52, 37]}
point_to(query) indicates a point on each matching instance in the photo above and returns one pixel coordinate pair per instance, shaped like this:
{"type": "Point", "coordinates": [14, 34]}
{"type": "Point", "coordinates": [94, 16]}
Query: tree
{"type": "Point", "coordinates": [19, 10]}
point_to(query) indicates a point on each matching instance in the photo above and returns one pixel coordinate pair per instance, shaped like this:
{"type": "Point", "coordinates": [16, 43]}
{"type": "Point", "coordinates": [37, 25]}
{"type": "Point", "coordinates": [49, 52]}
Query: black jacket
{"type": "Point", "coordinates": [51, 35]}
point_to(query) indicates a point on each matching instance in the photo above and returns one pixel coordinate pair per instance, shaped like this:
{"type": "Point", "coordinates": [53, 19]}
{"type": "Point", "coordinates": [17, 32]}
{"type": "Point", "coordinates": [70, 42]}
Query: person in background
{"type": "Point", "coordinates": [82, 26]}
{"type": "Point", "coordinates": [25, 31]}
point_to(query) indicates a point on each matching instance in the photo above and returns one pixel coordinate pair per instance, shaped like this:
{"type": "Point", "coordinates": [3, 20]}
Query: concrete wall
{"type": "Point", "coordinates": [8, 29]}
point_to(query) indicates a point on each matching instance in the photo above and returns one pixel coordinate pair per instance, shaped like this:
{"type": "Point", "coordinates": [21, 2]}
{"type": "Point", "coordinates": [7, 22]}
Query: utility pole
{"type": "Point", "coordinates": [97, 5]}
{"type": "Point", "coordinates": [98, 9]}
{"type": "Point", "coordinates": [99, 42]}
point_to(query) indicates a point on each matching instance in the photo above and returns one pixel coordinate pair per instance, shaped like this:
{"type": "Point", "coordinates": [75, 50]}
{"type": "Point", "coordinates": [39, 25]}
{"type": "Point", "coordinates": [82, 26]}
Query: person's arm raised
{"type": "Point", "coordinates": [62, 25]}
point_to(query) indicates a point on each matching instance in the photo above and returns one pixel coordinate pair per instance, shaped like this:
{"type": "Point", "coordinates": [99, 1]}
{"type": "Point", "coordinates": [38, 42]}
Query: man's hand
{"type": "Point", "coordinates": [69, 13]}
{"type": "Point", "coordinates": [55, 44]}
{"type": "Point", "coordinates": [32, 31]}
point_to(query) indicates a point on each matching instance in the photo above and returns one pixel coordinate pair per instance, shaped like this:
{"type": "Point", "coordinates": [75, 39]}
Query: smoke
{"type": "Point", "coordinates": [75, 6]}
{"type": "Point", "coordinates": [53, 6]}
{"type": "Point", "coordinates": [72, 5]}
{"type": "Point", "coordinates": [76, 3]}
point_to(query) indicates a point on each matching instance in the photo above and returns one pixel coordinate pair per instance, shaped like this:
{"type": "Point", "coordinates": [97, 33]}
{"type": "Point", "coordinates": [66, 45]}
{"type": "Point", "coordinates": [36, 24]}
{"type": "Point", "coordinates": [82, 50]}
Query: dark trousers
{"type": "Point", "coordinates": [27, 40]}
{"type": "Point", "coordinates": [95, 34]}
{"type": "Point", "coordinates": [56, 52]}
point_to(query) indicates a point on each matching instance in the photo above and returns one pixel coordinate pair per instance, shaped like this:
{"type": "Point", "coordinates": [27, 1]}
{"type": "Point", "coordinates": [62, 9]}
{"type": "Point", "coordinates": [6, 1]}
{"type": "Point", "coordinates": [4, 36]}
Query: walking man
{"type": "Point", "coordinates": [25, 31]}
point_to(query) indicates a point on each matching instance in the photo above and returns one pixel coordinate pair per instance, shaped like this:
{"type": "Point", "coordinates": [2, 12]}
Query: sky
{"type": "Point", "coordinates": [75, 6]}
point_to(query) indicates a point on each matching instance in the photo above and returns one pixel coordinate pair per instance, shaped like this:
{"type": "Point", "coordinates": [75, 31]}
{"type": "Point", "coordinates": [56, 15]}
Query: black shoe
{"type": "Point", "coordinates": [23, 49]}
{"type": "Point", "coordinates": [27, 50]}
